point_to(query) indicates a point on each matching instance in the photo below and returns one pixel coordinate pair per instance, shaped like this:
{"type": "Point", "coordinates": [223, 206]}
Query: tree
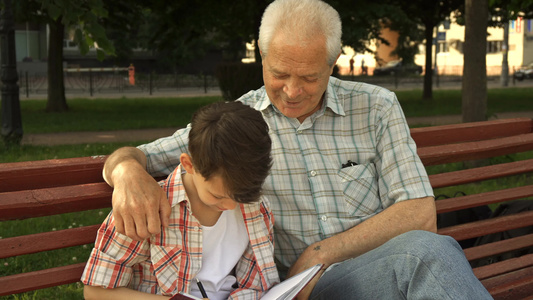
{"type": "Point", "coordinates": [427, 14]}
{"type": "Point", "coordinates": [500, 13]}
{"type": "Point", "coordinates": [84, 18]}
{"type": "Point", "coordinates": [125, 25]}
{"type": "Point", "coordinates": [474, 89]}
{"type": "Point", "coordinates": [362, 22]}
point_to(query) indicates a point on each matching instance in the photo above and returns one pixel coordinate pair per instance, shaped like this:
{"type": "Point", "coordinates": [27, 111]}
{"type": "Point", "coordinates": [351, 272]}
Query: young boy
{"type": "Point", "coordinates": [221, 228]}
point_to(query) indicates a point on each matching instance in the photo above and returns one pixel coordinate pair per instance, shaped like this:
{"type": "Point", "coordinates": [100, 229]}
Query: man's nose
{"type": "Point", "coordinates": [292, 89]}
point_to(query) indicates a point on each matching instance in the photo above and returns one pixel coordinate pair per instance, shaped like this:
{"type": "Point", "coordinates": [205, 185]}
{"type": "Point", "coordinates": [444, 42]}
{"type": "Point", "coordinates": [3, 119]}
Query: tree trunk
{"type": "Point", "coordinates": [504, 78]}
{"type": "Point", "coordinates": [427, 93]}
{"type": "Point", "coordinates": [56, 85]}
{"type": "Point", "coordinates": [474, 92]}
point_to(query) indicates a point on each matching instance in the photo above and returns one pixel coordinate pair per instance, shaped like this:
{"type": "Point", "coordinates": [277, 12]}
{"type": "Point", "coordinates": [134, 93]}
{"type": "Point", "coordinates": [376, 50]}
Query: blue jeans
{"type": "Point", "coordinates": [414, 265]}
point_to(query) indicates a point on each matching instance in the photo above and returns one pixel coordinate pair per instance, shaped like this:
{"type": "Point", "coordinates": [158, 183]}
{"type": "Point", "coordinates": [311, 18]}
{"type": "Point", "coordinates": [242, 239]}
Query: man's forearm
{"type": "Point", "coordinates": [121, 157]}
{"type": "Point", "coordinates": [417, 214]}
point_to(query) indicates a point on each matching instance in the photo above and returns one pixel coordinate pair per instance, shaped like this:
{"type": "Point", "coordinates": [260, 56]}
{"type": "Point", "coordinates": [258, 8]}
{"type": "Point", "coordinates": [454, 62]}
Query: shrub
{"type": "Point", "coordinates": [236, 79]}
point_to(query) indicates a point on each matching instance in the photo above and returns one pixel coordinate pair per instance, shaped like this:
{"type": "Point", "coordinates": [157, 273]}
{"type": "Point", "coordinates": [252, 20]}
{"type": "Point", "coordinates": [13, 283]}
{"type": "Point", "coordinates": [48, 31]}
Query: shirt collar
{"type": "Point", "coordinates": [174, 183]}
{"type": "Point", "coordinates": [331, 99]}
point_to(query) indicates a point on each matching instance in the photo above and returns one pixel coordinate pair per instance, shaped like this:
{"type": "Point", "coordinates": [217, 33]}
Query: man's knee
{"type": "Point", "coordinates": [424, 244]}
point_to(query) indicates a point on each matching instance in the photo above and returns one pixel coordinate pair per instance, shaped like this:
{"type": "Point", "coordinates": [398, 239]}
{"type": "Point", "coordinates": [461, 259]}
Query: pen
{"type": "Point", "coordinates": [201, 287]}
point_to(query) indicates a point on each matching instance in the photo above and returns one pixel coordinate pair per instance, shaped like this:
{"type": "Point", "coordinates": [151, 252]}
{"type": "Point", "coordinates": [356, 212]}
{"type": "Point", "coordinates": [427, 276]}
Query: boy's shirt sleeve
{"type": "Point", "coordinates": [116, 260]}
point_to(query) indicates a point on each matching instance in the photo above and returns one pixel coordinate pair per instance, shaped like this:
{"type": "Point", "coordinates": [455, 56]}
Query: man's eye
{"type": "Point", "coordinates": [310, 79]}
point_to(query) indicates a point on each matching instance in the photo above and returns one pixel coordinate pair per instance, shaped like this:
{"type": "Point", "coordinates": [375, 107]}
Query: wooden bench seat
{"type": "Point", "coordinates": [44, 188]}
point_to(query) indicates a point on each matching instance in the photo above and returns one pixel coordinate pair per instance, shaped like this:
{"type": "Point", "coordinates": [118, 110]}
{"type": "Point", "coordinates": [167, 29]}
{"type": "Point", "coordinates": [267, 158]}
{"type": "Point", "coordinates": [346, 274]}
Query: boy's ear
{"type": "Point", "coordinates": [186, 163]}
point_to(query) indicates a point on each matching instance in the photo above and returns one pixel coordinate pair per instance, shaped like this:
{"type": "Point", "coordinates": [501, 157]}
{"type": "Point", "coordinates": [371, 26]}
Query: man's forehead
{"type": "Point", "coordinates": [304, 72]}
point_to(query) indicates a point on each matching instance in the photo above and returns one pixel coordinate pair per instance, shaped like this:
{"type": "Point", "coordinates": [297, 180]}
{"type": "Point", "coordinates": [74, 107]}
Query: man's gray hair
{"type": "Point", "coordinates": [301, 21]}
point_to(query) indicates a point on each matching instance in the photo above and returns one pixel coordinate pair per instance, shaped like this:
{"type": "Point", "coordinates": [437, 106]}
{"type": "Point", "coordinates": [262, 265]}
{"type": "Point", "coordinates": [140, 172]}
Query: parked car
{"type": "Point", "coordinates": [397, 67]}
{"type": "Point", "coordinates": [525, 72]}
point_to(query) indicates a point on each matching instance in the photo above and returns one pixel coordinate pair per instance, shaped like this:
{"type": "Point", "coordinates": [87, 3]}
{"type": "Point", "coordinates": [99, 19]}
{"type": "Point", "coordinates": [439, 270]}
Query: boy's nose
{"type": "Point", "coordinates": [229, 205]}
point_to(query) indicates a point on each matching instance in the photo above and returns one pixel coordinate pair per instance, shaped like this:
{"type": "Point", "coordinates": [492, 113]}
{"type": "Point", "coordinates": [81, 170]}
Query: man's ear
{"type": "Point", "coordinates": [260, 52]}
{"type": "Point", "coordinates": [334, 64]}
{"type": "Point", "coordinates": [186, 163]}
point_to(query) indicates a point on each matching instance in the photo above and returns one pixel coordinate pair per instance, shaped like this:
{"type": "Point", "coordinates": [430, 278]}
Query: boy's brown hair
{"type": "Point", "coordinates": [231, 140]}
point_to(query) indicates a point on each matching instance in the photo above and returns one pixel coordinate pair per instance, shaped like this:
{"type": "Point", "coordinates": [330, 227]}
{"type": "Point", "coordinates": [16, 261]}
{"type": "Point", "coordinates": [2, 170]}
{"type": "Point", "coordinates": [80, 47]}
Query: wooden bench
{"type": "Point", "coordinates": [42, 188]}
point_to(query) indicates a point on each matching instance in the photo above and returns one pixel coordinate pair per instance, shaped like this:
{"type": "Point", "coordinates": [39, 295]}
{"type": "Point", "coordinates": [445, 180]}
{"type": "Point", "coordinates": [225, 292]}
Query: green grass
{"type": "Point", "coordinates": [448, 102]}
{"type": "Point", "coordinates": [138, 113]}
{"type": "Point", "coordinates": [111, 114]}
{"type": "Point", "coordinates": [29, 152]}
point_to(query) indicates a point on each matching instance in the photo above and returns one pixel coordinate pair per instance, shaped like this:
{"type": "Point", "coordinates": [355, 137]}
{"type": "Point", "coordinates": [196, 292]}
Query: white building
{"type": "Point", "coordinates": [449, 58]}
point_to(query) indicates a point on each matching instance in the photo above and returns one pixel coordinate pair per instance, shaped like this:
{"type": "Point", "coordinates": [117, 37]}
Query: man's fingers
{"type": "Point", "coordinates": [129, 226]}
{"type": "Point", "coordinates": [164, 210]}
{"type": "Point", "coordinates": [141, 227]}
{"type": "Point", "coordinates": [119, 222]}
{"type": "Point", "coordinates": [136, 202]}
{"type": "Point", "coordinates": [152, 215]}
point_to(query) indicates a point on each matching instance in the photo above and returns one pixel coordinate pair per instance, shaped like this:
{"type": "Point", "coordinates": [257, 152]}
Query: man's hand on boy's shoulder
{"type": "Point", "coordinates": [140, 205]}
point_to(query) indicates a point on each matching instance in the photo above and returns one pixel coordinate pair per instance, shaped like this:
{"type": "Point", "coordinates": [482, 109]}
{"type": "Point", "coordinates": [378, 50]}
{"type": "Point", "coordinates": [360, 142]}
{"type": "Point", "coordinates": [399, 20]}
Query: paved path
{"type": "Point", "coordinates": [67, 138]}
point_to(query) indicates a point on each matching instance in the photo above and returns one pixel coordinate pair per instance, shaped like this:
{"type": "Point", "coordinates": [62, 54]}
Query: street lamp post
{"type": "Point", "coordinates": [11, 117]}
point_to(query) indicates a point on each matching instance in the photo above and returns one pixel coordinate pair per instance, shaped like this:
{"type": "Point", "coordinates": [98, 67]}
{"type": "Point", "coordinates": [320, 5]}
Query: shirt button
{"type": "Point", "coordinates": [299, 131]}
{"type": "Point", "coordinates": [313, 173]}
{"type": "Point", "coordinates": [324, 218]}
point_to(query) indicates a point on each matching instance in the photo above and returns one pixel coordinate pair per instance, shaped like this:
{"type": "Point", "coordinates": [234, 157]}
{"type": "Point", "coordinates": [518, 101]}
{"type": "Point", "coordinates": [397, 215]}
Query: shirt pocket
{"type": "Point", "coordinates": [166, 261]}
{"type": "Point", "coordinates": [360, 189]}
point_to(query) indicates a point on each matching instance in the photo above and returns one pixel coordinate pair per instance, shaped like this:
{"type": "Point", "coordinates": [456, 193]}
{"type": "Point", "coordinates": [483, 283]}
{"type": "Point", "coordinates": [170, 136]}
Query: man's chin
{"type": "Point", "coordinates": [292, 113]}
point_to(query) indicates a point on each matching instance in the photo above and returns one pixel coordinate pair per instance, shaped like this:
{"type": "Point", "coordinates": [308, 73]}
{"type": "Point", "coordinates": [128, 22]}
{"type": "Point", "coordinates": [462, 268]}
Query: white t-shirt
{"type": "Point", "coordinates": [223, 245]}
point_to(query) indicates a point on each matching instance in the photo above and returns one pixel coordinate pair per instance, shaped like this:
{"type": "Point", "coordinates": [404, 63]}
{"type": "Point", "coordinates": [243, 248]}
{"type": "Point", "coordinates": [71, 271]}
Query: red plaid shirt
{"type": "Point", "coordinates": [168, 262]}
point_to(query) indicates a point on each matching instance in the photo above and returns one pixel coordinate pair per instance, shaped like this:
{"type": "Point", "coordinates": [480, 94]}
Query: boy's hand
{"type": "Point", "coordinates": [139, 204]}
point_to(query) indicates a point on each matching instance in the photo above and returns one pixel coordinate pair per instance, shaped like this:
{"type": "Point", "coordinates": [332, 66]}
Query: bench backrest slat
{"type": "Point", "coordinates": [46, 241]}
{"type": "Point", "coordinates": [499, 247]}
{"type": "Point", "coordinates": [436, 155]}
{"type": "Point", "coordinates": [519, 289]}
{"type": "Point", "coordinates": [515, 284]}
{"type": "Point", "coordinates": [467, 132]}
{"type": "Point", "coordinates": [50, 173]}
{"type": "Point", "coordinates": [488, 226]}
{"type": "Point", "coordinates": [498, 268]}
{"type": "Point", "coordinates": [469, 201]}
{"type": "Point", "coordinates": [481, 173]}
{"type": "Point", "coordinates": [23, 282]}
{"type": "Point", "coordinates": [52, 201]}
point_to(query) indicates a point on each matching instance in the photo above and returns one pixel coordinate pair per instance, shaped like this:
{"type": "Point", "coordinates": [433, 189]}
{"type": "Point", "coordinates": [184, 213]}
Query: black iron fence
{"type": "Point", "coordinates": [109, 83]}
{"type": "Point", "coordinates": [91, 83]}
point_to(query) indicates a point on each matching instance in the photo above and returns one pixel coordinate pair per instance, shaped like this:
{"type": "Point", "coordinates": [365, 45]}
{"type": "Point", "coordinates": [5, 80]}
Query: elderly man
{"type": "Point", "coordinates": [347, 187]}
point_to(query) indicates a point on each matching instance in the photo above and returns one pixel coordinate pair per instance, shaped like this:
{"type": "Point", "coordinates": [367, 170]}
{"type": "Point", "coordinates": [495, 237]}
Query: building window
{"type": "Point", "coordinates": [443, 47]}
{"type": "Point", "coordinates": [494, 46]}
{"type": "Point", "coordinates": [69, 44]}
